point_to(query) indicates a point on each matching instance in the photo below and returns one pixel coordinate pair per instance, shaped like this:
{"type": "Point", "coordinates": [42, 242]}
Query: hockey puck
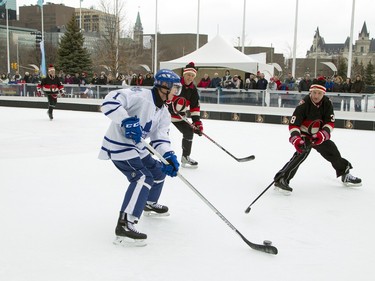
{"type": "Point", "coordinates": [267, 242]}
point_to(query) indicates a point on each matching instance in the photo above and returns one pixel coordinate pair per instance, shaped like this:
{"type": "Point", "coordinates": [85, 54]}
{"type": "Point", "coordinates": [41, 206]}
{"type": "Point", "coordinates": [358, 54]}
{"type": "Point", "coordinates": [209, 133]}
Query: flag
{"type": "Point", "coordinates": [43, 63]}
{"type": "Point", "coordinates": [40, 3]}
{"type": "Point", "coordinates": [3, 2]}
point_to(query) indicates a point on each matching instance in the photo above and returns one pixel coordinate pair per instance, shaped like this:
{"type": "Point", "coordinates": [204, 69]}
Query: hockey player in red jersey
{"type": "Point", "coordinates": [311, 126]}
{"type": "Point", "coordinates": [190, 93]}
{"type": "Point", "coordinates": [51, 87]}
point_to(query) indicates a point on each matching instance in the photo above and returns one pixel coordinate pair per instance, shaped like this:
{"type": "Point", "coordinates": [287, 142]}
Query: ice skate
{"type": "Point", "coordinates": [350, 180]}
{"type": "Point", "coordinates": [282, 186]}
{"type": "Point", "coordinates": [153, 209]}
{"type": "Point", "coordinates": [127, 235]}
{"type": "Point", "coordinates": [187, 162]}
{"type": "Point", "coordinates": [50, 116]}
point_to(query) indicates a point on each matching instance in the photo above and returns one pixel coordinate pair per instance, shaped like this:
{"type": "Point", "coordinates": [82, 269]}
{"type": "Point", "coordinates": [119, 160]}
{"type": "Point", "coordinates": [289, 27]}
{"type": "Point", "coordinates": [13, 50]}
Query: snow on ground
{"type": "Point", "coordinates": [59, 207]}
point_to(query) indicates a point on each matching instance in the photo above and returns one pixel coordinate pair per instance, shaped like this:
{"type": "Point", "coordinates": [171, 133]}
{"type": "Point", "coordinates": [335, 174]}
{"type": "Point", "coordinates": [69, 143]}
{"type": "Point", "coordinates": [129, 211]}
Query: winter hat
{"type": "Point", "coordinates": [190, 68]}
{"type": "Point", "coordinates": [319, 84]}
{"type": "Point", "coordinates": [51, 67]}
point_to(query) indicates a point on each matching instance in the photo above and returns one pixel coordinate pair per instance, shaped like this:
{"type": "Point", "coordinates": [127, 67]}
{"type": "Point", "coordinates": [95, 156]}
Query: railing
{"type": "Point", "coordinates": [288, 99]}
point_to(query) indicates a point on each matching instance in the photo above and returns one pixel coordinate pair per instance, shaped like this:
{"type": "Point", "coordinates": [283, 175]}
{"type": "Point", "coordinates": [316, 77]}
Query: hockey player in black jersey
{"type": "Point", "coordinates": [51, 87]}
{"type": "Point", "coordinates": [310, 128]}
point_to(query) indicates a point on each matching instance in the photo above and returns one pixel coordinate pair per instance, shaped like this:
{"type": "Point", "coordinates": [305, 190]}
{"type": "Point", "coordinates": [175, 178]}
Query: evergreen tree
{"type": "Point", "coordinates": [369, 74]}
{"type": "Point", "coordinates": [342, 67]}
{"type": "Point", "coordinates": [72, 57]}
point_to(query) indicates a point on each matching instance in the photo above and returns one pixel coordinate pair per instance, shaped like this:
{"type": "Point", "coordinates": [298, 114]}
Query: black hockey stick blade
{"type": "Point", "coordinates": [269, 249]}
{"type": "Point", "coordinates": [245, 159]}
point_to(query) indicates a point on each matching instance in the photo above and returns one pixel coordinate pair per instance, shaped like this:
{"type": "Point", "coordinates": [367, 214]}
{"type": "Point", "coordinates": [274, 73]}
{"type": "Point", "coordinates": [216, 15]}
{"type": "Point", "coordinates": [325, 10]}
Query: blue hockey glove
{"type": "Point", "coordinates": [171, 169]}
{"type": "Point", "coordinates": [132, 129]}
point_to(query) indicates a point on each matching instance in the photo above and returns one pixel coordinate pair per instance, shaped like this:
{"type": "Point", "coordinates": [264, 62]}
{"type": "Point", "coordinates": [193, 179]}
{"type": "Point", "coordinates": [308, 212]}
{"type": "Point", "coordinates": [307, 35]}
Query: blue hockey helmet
{"type": "Point", "coordinates": [168, 78]}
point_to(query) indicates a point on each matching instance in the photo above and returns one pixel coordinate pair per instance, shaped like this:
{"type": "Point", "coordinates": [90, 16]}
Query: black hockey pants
{"type": "Point", "coordinates": [187, 136]}
{"type": "Point", "coordinates": [327, 149]}
{"type": "Point", "coordinates": [52, 101]}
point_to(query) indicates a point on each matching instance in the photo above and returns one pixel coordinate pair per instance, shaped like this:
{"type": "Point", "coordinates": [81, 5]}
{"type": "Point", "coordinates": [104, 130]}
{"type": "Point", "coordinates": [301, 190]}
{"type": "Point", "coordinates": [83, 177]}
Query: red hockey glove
{"type": "Point", "coordinates": [198, 127]}
{"type": "Point", "coordinates": [298, 143]}
{"type": "Point", "coordinates": [39, 93]}
{"type": "Point", "coordinates": [320, 137]}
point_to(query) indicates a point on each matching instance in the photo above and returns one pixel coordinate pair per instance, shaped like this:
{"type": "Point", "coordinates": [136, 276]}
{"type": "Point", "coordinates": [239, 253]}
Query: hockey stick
{"type": "Point", "coordinates": [298, 158]}
{"type": "Point", "coordinates": [249, 208]}
{"type": "Point", "coordinates": [244, 159]}
{"type": "Point", "coordinates": [266, 247]}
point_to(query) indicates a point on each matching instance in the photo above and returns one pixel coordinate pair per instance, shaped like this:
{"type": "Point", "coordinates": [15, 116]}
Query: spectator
{"type": "Point", "coordinates": [358, 87]}
{"type": "Point", "coordinates": [337, 88]}
{"type": "Point", "coordinates": [94, 79]}
{"type": "Point", "coordinates": [133, 81]}
{"type": "Point", "coordinates": [205, 81]}
{"type": "Point", "coordinates": [329, 84]}
{"type": "Point", "coordinates": [346, 88]}
{"type": "Point", "coordinates": [304, 84]}
{"type": "Point", "coordinates": [140, 80]}
{"type": "Point", "coordinates": [290, 82]}
{"type": "Point", "coordinates": [149, 80]}
{"type": "Point", "coordinates": [68, 79]}
{"type": "Point", "coordinates": [216, 81]}
{"type": "Point", "coordinates": [226, 77]}
{"type": "Point", "coordinates": [102, 79]}
{"type": "Point", "coordinates": [4, 79]}
{"type": "Point", "coordinates": [27, 78]}
{"type": "Point", "coordinates": [262, 82]}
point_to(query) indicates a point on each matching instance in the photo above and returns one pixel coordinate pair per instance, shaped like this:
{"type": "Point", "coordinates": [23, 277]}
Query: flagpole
{"type": "Point", "coordinates": [80, 16]}
{"type": "Point", "coordinates": [43, 62]}
{"type": "Point", "coordinates": [295, 42]}
{"type": "Point", "coordinates": [7, 20]}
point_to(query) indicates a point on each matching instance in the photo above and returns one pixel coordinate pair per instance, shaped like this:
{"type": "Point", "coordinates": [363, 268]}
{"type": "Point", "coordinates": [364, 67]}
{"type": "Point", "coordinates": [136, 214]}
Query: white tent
{"type": "Point", "coordinates": [219, 53]}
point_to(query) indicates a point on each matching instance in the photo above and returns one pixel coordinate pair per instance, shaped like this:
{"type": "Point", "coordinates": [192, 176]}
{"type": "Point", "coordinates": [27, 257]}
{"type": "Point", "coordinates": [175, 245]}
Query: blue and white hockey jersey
{"type": "Point", "coordinates": [121, 104]}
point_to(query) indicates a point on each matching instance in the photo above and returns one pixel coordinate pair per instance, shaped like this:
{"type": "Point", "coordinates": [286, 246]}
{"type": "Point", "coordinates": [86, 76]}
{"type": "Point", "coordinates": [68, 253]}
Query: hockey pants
{"type": "Point", "coordinates": [187, 136]}
{"type": "Point", "coordinates": [327, 149]}
{"type": "Point", "coordinates": [52, 101]}
{"type": "Point", "coordinates": [146, 183]}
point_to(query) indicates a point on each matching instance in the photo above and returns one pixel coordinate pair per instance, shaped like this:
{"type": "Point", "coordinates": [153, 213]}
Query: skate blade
{"type": "Point", "coordinates": [189, 166]}
{"type": "Point", "coordinates": [129, 242]}
{"type": "Point", "coordinates": [283, 191]}
{"type": "Point", "coordinates": [154, 214]}
{"type": "Point", "coordinates": [352, 185]}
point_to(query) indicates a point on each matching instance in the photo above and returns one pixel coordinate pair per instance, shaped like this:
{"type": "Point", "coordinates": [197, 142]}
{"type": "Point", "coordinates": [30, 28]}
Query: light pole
{"type": "Point", "coordinates": [156, 39]}
{"type": "Point", "coordinates": [197, 47]}
{"type": "Point", "coordinates": [295, 42]}
{"type": "Point", "coordinates": [7, 20]}
{"type": "Point", "coordinates": [349, 72]}
{"type": "Point", "coordinates": [243, 26]}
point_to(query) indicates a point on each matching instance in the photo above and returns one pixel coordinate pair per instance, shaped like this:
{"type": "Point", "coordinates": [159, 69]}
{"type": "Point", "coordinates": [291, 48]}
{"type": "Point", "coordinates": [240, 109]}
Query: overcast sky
{"type": "Point", "coordinates": [267, 22]}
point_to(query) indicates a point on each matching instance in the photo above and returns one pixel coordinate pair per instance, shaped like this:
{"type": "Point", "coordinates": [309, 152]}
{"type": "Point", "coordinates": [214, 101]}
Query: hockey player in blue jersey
{"type": "Point", "coordinates": [138, 113]}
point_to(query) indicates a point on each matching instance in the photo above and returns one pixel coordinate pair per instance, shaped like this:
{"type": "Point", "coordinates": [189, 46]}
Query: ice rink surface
{"type": "Point", "coordinates": [59, 207]}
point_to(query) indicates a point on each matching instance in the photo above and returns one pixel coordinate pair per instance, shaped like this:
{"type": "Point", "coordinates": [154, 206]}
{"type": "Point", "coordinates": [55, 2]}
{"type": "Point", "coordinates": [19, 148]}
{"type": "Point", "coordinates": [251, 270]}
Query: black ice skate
{"type": "Point", "coordinates": [187, 162]}
{"type": "Point", "coordinates": [127, 234]}
{"type": "Point", "coordinates": [153, 209]}
{"type": "Point", "coordinates": [50, 115]}
{"type": "Point", "coordinates": [350, 180]}
{"type": "Point", "coordinates": [283, 186]}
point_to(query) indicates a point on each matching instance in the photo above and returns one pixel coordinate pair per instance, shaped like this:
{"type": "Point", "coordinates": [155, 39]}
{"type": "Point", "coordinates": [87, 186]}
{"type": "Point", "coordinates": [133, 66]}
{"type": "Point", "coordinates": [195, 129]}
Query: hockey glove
{"type": "Point", "coordinates": [170, 169]}
{"type": "Point", "coordinates": [198, 127]}
{"type": "Point", "coordinates": [132, 129]}
{"type": "Point", "coordinates": [62, 93]}
{"type": "Point", "coordinates": [298, 143]}
{"type": "Point", "coordinates": [39, 93]}
{"type": "Point", "coordinates": [320, 137]}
